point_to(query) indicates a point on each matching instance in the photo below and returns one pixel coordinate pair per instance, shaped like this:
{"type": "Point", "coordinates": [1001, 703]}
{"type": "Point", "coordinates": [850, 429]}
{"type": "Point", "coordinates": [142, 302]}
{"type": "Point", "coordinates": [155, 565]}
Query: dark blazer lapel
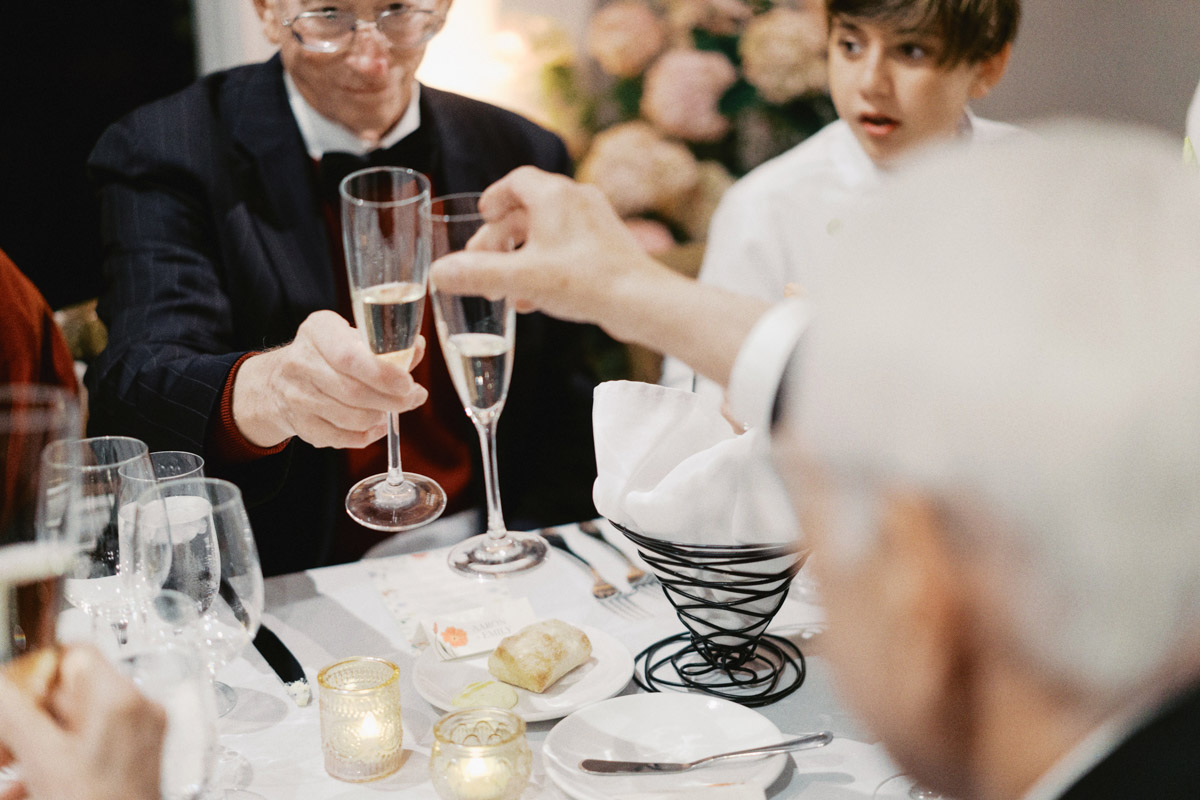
{"type": "Point", "coordinates": [289, 221]}
{"type": "Point", "coordinates": [459, 167]}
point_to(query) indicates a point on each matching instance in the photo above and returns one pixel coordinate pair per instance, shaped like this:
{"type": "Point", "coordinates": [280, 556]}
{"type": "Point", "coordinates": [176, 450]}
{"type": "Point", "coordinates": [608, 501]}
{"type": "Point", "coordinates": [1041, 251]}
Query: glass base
{"type": "Point", "coordinates": [902, 787]}
{"type": "Point", "coordinates": [226, 697]}
{"type": "Point", "coordinates": [374, 503]}
{"type": "Point", "coordinates": [487, 557]}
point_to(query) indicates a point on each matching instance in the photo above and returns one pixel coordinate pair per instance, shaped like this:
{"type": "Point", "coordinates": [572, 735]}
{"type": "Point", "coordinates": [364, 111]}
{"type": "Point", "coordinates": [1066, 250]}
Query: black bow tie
{"type": "Point", "coordinates": [413, 151]}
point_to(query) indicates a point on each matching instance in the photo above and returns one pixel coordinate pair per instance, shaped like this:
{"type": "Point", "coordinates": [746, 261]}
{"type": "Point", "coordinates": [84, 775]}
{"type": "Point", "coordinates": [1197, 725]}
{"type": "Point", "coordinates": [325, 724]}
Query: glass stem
{"type": "Point", "coordinates": [395, 472]}
{"type": "Point", "coordinates": [491, 481]}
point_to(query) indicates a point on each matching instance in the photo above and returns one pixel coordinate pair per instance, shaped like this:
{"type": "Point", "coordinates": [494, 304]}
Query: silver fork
{"type": "Point", "coordinates": [635, 576]}
{"type": "Point", "coordinates": [608, 595]}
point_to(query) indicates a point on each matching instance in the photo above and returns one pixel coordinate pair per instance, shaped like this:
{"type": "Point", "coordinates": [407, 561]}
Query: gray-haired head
{"type": "Point", "coordinates": [1016, 331]}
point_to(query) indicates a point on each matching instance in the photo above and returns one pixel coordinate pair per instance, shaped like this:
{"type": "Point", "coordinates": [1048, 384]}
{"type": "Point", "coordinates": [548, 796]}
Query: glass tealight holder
{"type": "Point", "coordinates": [480, 754]}
{"type": "Point", "coordinates": [360, 718]}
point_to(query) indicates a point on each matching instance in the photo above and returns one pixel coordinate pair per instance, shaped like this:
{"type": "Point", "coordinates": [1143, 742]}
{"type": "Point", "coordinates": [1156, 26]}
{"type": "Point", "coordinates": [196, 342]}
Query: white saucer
{"type": "Point", "coordinates": [604, 674]}
{"type": "Point", "coordinates": [662, 726]}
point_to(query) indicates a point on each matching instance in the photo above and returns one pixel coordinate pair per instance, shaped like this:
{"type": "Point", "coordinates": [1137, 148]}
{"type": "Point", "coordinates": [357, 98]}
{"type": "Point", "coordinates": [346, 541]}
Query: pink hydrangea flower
{"type": "Point", "coordinates": [624, 37]}
{"type": "Point", "coordinates": [637, 169]}
{"type": "Point", "coordinates": [723, 17]}
{"type": "Point", "coordinates": [783, 53]}
{"type": "Point", "coordinates": [681, 93]}
{"type": "Point", "coordinates": [693, 211]}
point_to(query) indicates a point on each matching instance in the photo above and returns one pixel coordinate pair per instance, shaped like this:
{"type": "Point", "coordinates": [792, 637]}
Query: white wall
{"type": "Point", "coordinates": [1133, 60]}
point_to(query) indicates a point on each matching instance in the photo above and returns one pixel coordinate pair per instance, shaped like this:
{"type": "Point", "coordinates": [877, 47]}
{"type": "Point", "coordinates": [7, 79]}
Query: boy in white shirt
{"type": "Point", "coordinates": [901, 73]}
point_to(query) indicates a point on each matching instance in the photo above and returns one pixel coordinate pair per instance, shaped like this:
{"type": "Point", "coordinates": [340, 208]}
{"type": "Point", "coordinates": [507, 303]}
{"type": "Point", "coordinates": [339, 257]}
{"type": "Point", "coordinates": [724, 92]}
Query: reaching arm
{"type": "Point", "coordinates": [578, 262]}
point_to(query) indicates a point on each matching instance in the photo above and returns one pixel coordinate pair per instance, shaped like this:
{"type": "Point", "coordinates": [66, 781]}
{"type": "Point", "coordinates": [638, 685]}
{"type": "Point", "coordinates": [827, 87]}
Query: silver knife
{"type": "Point", "coordinates": [599, 766]}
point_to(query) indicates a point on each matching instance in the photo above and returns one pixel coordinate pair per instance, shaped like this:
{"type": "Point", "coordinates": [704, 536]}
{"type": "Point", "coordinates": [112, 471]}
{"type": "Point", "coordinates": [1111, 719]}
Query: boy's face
{"type": "Point", "coordinates": [890, 89]}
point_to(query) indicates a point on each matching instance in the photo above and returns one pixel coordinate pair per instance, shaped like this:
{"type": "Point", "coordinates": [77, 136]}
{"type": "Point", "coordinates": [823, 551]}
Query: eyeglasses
{"type": "Point", "coordinates": [330, 30]}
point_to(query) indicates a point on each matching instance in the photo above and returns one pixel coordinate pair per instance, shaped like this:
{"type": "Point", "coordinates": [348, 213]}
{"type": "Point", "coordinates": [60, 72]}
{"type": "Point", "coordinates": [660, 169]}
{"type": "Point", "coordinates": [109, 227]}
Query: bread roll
{"type": "Point", "coordinates": [536, 656]}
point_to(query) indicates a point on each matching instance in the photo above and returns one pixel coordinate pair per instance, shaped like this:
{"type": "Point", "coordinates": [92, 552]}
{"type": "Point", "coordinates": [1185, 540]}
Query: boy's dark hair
{"type": "Point", "coordinates": [970, 30]}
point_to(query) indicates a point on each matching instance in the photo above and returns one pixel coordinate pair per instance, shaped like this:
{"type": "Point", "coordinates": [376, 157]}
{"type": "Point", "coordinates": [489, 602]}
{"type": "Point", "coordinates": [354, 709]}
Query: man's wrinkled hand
{"type": "Point", "coordinates": [325, 387]}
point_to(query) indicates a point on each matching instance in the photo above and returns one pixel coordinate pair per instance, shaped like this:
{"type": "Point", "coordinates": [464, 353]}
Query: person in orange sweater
{"type": "Point", "coordinates": [32, 348]}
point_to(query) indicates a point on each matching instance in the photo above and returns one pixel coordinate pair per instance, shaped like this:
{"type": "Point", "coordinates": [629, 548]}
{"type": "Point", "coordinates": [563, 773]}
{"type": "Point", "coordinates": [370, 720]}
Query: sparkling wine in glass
{"type": "Point", "coordinates": [477, 337]}
{"type": "Point", "coordinates": [386, 238]}
{"type": "Point", "coordinates": [219, 568]}
{"type": "Point", "coordinates": [39, 534]}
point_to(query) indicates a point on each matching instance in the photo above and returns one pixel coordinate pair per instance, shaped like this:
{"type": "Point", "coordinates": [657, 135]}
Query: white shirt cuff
{"type": "Point", "coordinates": [762, 359]}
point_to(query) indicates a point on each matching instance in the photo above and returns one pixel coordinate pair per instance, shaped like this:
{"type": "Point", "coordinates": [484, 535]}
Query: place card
{"type": "Point", "coordinates": [467, 633]}
{"type": "Point", "coordinates": [421, 585]}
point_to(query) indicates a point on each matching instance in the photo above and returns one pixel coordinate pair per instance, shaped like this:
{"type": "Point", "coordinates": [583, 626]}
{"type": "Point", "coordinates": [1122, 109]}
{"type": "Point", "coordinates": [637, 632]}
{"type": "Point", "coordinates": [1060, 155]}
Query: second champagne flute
{"type": "Point", "coordinates": [386, 237]}
{"type": "Point", "coordinates": [477, 337]}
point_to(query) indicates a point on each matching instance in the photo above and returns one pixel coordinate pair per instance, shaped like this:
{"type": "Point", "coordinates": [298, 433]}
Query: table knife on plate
{"type": "Point", "coordinates": [599, 766]}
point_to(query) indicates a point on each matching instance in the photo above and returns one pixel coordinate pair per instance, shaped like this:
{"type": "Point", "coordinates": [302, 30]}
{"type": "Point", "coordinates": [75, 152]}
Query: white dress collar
{"type": "Point", "coordinates": [323, 135]}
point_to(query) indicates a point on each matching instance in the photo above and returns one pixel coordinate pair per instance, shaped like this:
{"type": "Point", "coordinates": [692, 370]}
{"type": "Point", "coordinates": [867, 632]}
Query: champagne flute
{"type": "Point", "coordinates": [215, 563]}
{"type": "Point", "coordinates": [477, 337]}
{"type": "Point", "coordinates": [387, 258]}
{"type": "Point", "coordinates": [39, 534]}
{"type": "Point", "coordinates": [119, 570]}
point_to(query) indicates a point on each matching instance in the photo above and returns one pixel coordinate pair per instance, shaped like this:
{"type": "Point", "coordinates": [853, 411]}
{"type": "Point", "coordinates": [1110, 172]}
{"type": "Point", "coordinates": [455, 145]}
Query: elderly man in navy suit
{"type": "Point", "coordinates": [226, 294]}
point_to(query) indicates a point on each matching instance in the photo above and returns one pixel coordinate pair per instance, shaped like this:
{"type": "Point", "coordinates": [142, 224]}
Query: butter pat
{"type": "Point", "coordinates": [485, 694]}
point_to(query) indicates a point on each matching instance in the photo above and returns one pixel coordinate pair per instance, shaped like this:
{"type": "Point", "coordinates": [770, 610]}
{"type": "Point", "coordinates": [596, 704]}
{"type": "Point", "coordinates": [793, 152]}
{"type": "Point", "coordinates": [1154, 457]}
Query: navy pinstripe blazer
{"type": "Point", "coordinates": [215, 246]}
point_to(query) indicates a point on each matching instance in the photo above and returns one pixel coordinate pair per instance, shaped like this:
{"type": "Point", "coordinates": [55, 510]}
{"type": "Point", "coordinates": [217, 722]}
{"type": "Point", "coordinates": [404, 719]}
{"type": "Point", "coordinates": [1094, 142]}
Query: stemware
{"type": "Point", "coordinates": [214, 562]}
{"type": "Point", "coordinates": [173, 675]}
{"type": "Point", "coordinates": [387, 258]}
{"type": "Point", "coordinates": [118, 570]}
{"type": "Point", "coordinates": [477, 337]}
{"type": "Point", "coordinates": [38, 538]}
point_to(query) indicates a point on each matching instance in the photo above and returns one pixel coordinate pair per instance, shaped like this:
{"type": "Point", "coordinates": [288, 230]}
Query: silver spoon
{"type": "Point", "coordinates": [599, 766]}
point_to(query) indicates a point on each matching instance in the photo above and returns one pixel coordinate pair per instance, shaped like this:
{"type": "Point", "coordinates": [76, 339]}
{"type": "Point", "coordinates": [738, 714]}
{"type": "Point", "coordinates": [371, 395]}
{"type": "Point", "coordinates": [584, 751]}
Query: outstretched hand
{"type": "Point", "coordinates": [574, 251]}
{"type": "Point", "coordinates": [576, 260]}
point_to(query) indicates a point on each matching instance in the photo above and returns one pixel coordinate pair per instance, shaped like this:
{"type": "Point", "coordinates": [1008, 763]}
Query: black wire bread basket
{"type": "Point", "coordinates": [725, 595]}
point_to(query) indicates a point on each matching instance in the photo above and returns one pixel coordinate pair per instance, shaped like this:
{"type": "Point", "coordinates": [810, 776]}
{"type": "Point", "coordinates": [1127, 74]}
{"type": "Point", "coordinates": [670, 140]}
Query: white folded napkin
{"type": "Point", "coordinates": [671, 468]}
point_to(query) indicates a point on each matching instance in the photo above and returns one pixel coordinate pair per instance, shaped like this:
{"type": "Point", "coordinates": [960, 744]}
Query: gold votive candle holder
{"type": "Point", "coordinates": [360, 718]}
{"type": "Point", "coordinates": [480, 754]}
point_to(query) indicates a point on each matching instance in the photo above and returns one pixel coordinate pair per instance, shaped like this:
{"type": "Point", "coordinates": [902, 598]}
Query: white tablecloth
{"type": "Point", "coordinates": [327, 614]}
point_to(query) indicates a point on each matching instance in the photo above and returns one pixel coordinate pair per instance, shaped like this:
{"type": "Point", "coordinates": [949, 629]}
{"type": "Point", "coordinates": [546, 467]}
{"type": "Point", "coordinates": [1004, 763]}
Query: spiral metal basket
{"type": "Point", "coordinates": [725, 595]}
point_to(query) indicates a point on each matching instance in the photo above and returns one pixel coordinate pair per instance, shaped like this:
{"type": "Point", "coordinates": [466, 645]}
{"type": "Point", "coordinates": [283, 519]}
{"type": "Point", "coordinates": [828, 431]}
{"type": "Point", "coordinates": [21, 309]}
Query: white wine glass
{"type": "Point", "coordinates": [118, 570]}
{"type": "Point", "coordinates": [171, 673]}
{"type": "Point", "coordinates": [478, 337]}
{"type": "Point", "coordinates": [386, 238]}
{"type": "Point", "coordinates": [214, 562]}
{"type": "Point", "coordinates": [39, 534]}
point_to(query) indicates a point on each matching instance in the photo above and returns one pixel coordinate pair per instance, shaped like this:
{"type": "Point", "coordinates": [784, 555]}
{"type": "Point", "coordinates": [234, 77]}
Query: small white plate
{"type": "Point", "coordinates": [662, 726]}
{"type": "Point", "coordinates": [604, 674]}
